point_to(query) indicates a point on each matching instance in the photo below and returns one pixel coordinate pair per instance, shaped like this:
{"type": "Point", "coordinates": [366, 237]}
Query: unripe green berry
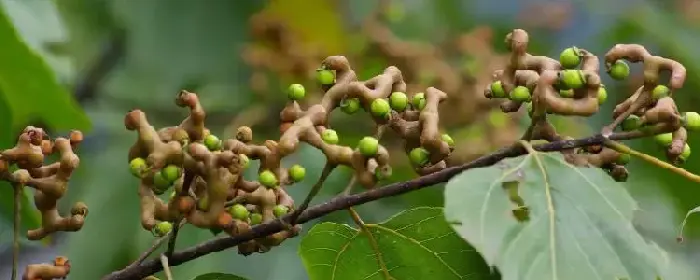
{"type": "Point", "coordinates": [686, 153]}
{"type": "Point", "coordinates": [325, 77]}
{"type": "Point", "coordinates": [447, 138]}
{"type": "Point", "coordinates": [268, 179]}
{"type": "Point", "coordinates": [664, 139]}
{"type": "Point", "coordinates": [330, 136]}
{"type": "Point", "coordinates": [256, 218]}
{"type": "Point", "coordinates": [162, 229]}
{"type": "Point", "coordinates": [520, 94]}
{"type": "Point", "coordinates": [623, 159]}
{"type": "Point", "coordinates": [570, 58]}
{"type": "Point", "coordinates": [602, 95]}
{"type": "Point", "coordinates": [620, 70]}
{"type": "Point", "coordinates": [350, 105]}
{"type": "Point", "coordinates": [368, 146]}
{"type": "Point", "coordinates": [529, 108]}
{"type": "Point", "coordinates": [212, 142]}
{"type": "Point", "coordinates": [381, 173]}
{"type": "Point", "coordinates": [238, 212]}
{"type": "Point", "coordinates": [691, 120]}
{"type": "Point", "coordinates": [380, 108]}
{"type": "Point", "coordinates": [280, 210]}
{"type": "Point", "coordinates": [497, 90]}
{"type": "Point", "coordinates": [296, 92]}
{"type": "Point", "coordinates": [572, 79]}
{"type": "Point", "coordinates": [398, 101]}
{"type": "Point", "coordinates": [297, 173]}
{"type": "Point", "coordinates": [660, 91]}
{"type": "Point", "coordinates": [160, 182]}
{"type": "Point", "coordinates": [566, 93]}
{"type": "Point", "coordinates": [137, 166]}
{"type": "Point", "coordinates": [631, 123]}
{"type": "Point", "coordinates": [203, 203]}
{"type": "Point", "coordinates": [419, 156]}
{"type": "Point", "coordinates": [244, 160]}
{"type": "Point", "coordinates": [418, 101]}
{"type": "Point", "coordinates": [171, 173]}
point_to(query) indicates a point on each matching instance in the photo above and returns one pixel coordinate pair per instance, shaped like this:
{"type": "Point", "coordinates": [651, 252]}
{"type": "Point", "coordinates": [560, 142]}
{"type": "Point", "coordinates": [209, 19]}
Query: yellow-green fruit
{"type": "Point", "coordinates": [330, 136]}
{"type": "Point", "coordinates": [398, 101]}
{"type": "Point", "coordinates": [660, 91]}
{"type": "Point", "coordinates": [296, 92]}
{"type": "Point", "coordinates": [212, 142]}
{"type": "Point", "coordinates": [203, 203]}
{"type": "Point", "coordinates": [382, 173]}
{"type": "Point", "coordinates": [619, 70]}
{"type": "Point", "coordinates": [171, 173]}
{"type": "Point", "coordinates": [520, 94]}
{"type": "Point", "coordinates": [325, 77]}
{"type": "Point", "coordinates": [268, 179]}
{"type": "Point", "coordinates": [418, 101]}
{"type": "Point", "coordinates": [570, 58]}
{"type": "Point", "coordinates": [623, 159]}
{"type": "Point", "coordinates": [161, 183]}
{"type": "Point", "coordinates": [566, 93]}
{"type": "Point", "coordinates": [137, 166]}
{"type": "Point", "coordinates": [162, 229]}
{"type": "Point", "coordinates": [686, 153]}
{"type": "Point", "coordinates": [602, 95]}
{"type": "Point", "coordinates": [631, 123]}
{"type": "Point", "coordinates": [664, 139]}
{"type": "Point", "coordinates": [280, 210]}
{"type": "Point", "coordinates": [572, 79]}
{"type": "Point", "coordinates": [419, 156]}
{"type": "Point", "coordinates": [350, 105]}
{"type": "Point", "coordinates": [244, 160]}
{"type": "Point", "coordinates": [297, 173]}
{"type": "Point", "coordinates": [368, 146]}
{"type": "Point", "coordinates": [380, 108]}
{"type": "Point", "coordinates": [256, 218]}
{"type": "Point", "coordinates": [691, 120]}
{"type": "Point", "coordinates": [447, 138]}
{"type": "Point", "coordinates": [238, 212]}
{"type": "Point", "coordinates": [497, 90]}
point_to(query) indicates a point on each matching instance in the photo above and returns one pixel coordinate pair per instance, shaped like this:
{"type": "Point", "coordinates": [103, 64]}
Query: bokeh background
{"type": "Point", "coordinates": [116, 55]}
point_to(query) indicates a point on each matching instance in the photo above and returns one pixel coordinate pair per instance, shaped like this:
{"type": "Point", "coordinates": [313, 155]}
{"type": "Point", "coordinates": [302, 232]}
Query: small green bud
{"type": "Point", "coordinates": [447, 138]}
{"type": "Point", "coordinates": [238, 212]}
{"type": "Point", "coordinates": [660, 91]}
{"type": "Point", "coordinates": [330, 136]}
{"type": "Point", "coordinates": [255, 218]}
{"type": "Point", "coordinates": [572, 79]}
{"type": "Point", "coordinates": [162, 229]}
{"type": "Point", "coordinates": [137, 166]}
{"type": "Point", "coordinates": [297, 173]}
{"type": "Point", "coordinates": [296, 92]}
{"type": "Point", "coordinates": [382, 173]}
{"type": "Point", "coordinates": [631, 123]}
{"type": "Point", "coordinates": [623, 159]}
{"type": "Point", "coordinates": [602, 95]}
{"type": "Point", "coordinates": [244, 160]}
{"type": "Point", "coordinates": [268, 179]}
{"type": "Point", "coordinates": [212, 142]}
{"type": "Point", "coordinates": [520, 94]}
{"type": "Point", "coordinates": [620, 70]}
{"type": "Point", "coordinates": [691, 120]}
{"type": "Point", "coordinates": [419, 156]}
{"type": "Point", "coordinates": [171, 173]}
{"type": "Point", "coordinates": [380, 108]}
{"type": "Point", "coordinates": [664, 139]}
{"type": "Point", "coordinates": [497, 90]}
{"type": "Point", "coordinates": [418, 102]}
{"type": "Point", "coordinates": [686, 153]}
{"type": "Point", "coordinates": [566, 93]}
{"type": "Point", "coordinates": [350, 105]}
{"type": "Point", "coordinates": [570, 58]}
{"type": "Point", "coordinates": [398, 101]}
{"type": "Point", "coordinates": [325, 77]}
{"type": "Point", "coordinates": [280, 210]}
{"type": "Point", "coordinates": [368, 146]}
{"type": "Point", "coordinates": [161, 183]}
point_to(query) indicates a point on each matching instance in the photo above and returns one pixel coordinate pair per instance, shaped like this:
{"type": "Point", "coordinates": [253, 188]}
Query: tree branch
{"type": "Point", "coordinates": [345, 201]}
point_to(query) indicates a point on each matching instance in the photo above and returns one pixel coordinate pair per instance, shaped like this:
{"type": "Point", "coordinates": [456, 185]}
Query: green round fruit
{"type": "Point", "coordinates": [239, 212]}
{"type": "Point", "coordinates": [160, 182]}
{"type": "Point", "coordinates": [297, 173]}
{"type": "Point", "coordinates": [418, 101]}
{"type": "Point", "coordinates": [296, 92]}
{"type": "Point", "coordinates": [325, 77]}
{"type": "Point", "coordinates": [280, 210]}
{"type": "Point", "coordinates": [419, 156]}
{"type": "Point", "coordinates": [572, 79]}
{"type": "Point", "coordinates": [368, 146]}
{"type": "Point", "coordinates": [350, 105]}
{"type": "Point", "coordinates": [660, 91]}
{"type": "Point", "coordinates": [137, 166]}
{"type": "Point", "coordinates": [268, 179]}
{"type": "Point", "coordinates": [497, 90]}
{"type": "Point", "coordinates": [256, 218]}
{"type": "Point", "coordinates": [691, 120]}
{"type": "Point", "coordinates": [398, 101]}
{"type": "Point", "coordinates": [447, 138]}
{"type": "Point", "coordinates": [244, 160]}
{"type": "Point", "coordinates": [172, 173]}
{"type": "Point", "coordinates": [631, 123]}
{"type": "Point", "coordinates": [203, 203]}
{"type": "Point", "coordinates": [380, 108]}
{"type": "Point", "coordinates": [529, 108]}
{"type": "Point", "coordinates": [382, 174]}
{"type": "Point", "coordinates": [623, 159]}
{"type": "Point", "coordinates": [162, 229]}
{"type": "Point", "coordinates": [566, 93]}
{"type": "Point", "coordinates": [686, 153]}
{"type": "Point", "coordinates": [520, 94]}
{"type": "Point", "coordinates": [620, 70]}
{"type": "Point", "coordinates": [330, 136]}
{"type": "Point", "coordinates": [212, 142]}
{"type": "Point", "coordinates": [570, 58]}
{"type": "Point", "coordinates": [664, 139]}
{"type": "Point", "coordinates": [602, 95]}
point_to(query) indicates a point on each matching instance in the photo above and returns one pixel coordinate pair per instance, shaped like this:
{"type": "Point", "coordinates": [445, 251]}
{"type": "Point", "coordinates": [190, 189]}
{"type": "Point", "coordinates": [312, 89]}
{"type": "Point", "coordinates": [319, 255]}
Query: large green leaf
{"type": "Point", "coordinates": [577, 223]}
{"type": "Point", "coordinates": [414, 244]}
{"type": "Point", "coordinates": [218, 276]}
{"type": "Point", "coordinates": [31, 88]}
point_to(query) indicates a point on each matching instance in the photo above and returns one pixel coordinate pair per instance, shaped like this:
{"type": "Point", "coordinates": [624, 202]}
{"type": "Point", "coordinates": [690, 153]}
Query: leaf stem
{"type": "Point", "coordinates": [622, 148]}
{"type": "Point", "coordinates": [166, 267]}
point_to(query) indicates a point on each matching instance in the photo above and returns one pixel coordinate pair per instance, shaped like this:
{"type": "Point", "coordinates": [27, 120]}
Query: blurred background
{"type": "Point", "coordinates": [105, 57]}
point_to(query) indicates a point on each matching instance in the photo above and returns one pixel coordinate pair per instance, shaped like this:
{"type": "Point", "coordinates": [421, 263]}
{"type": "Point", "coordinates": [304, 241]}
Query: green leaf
{"type": "Point", "coordinates": [574, 223]}
{"type": "Point", "coordinates": [414, 244]}
{"type": "Point", "coordinates": [218, 276]}
{"type": "Point", "coordinates": [31, 88]}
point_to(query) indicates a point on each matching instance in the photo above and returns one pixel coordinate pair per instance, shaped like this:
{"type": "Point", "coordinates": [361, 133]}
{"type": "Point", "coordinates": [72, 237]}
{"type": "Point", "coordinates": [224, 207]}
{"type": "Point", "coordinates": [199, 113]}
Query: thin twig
{"type": "Point", "coordinates": [617, 146]}
{"type": "Point", "coordinates": [173, 238]}
{"type": "Point", "coordinates": [166, 267]}
{"type": "Point", "coordinates": [156, 245]}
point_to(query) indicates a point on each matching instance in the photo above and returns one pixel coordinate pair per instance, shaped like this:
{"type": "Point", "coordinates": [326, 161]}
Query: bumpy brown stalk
{"type": "Point", "coordinates": [59, 269]}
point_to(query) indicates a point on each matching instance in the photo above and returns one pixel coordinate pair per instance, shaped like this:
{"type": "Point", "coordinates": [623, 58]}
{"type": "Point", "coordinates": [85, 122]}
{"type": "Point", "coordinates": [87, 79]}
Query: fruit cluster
{"type": "Point", "coordinates": [24, 166]}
